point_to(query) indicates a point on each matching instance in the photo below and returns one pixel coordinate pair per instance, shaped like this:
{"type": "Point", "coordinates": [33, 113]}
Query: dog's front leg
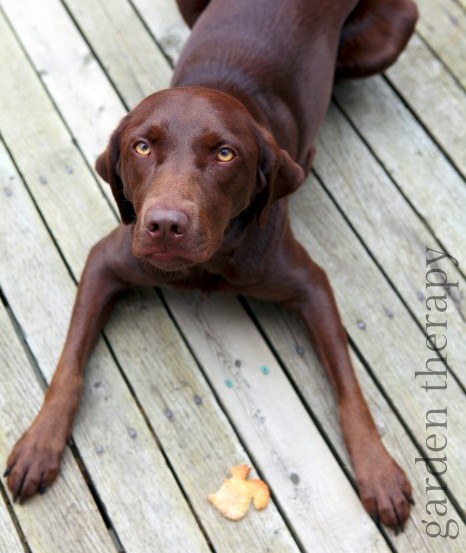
{"type": "Point", "coordinates": [383, 487]}
{"type": "Point", "coordinates": [35, 460]}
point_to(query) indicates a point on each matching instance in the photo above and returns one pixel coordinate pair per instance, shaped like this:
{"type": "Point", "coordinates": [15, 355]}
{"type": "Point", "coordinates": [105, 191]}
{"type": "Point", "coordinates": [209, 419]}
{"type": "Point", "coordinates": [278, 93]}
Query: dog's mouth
{"type": "Point", "coordinates": [171, 260]}
{"type": "Point", "coordinates": [168, 261]}
{"type": "Point", "coordinates": [163, 260]}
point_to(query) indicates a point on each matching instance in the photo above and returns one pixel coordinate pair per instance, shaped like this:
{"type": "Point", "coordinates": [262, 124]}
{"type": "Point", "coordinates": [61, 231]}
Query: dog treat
{"type": "Point", "coordinates": [234, 496]}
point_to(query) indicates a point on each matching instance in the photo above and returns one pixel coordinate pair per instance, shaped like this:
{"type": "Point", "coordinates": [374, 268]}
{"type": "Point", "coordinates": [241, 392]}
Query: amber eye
{"type": "Point", "coordinates": [142, 148]}
{"type": "Point", "coordinates": [225, 154]}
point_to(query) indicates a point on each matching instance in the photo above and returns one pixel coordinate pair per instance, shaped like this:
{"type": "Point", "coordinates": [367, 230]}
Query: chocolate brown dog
{"type": "Point", "coordinates": [201, 173]}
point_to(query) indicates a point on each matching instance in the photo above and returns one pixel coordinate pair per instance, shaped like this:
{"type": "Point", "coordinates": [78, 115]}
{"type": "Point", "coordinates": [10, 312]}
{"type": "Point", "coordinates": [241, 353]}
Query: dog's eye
{"type": "Point", "coordinates": [142, 148]}
{"type": "Point", "coordinates": [225, 154]}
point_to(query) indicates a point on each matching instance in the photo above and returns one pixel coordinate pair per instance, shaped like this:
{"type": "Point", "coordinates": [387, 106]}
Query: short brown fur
{"type": "Point", "coordinates": [201, 173]}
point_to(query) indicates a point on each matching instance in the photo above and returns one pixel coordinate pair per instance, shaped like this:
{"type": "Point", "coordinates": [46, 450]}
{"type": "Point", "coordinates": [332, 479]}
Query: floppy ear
{"type": "Point", "coordinates": [277, 175]}
{"type": "Point", "coordinates": [108, 167]}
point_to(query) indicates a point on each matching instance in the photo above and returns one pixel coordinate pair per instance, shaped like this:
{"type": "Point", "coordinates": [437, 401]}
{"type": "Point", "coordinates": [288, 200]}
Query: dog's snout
{"type": "Point", "coordinates": [167, 224]}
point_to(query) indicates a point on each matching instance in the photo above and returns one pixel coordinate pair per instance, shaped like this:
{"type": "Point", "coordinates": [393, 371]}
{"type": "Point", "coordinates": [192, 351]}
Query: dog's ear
{"type": "Point", "coordinates": [108, 167]}
{"type": "Point", "coordinates": [277, 175]}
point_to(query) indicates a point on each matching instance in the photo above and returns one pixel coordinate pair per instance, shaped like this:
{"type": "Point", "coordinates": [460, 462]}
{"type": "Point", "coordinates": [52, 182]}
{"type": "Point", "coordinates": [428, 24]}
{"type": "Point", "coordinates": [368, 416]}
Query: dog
{"type": "Point", "coordinates": [201, 174]}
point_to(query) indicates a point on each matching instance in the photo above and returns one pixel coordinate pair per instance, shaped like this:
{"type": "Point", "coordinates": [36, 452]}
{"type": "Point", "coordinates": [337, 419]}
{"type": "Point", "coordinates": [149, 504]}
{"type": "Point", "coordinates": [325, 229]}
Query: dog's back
{"type": "Point", "coordinates": [276, 57]}
{"type": "Point", "coordinates": [279, 58]}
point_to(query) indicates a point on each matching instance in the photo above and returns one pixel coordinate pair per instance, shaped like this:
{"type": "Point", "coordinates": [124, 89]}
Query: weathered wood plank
{"type": "Point", "coordinates": [66, 518]}
{"type": "Point", "coordinates": [304, 475]}
{"type": "Point", "coordinates": [371, 201]}
{"type": "Point", "coordinates": [42, 306]}
{"type": "Point", "coordinates": [60, 160]}
{"type": "Point", "coordinates": [51, 219]}
{"type": "Point", "coordinates": [443, 26]}
{"type": "Point", "coordinates": [408, 155]}
{"type": "Point", "coordinates": [412, 83]}
{"type": "Point", "coordinates": [291, 342]}
{"type": "Point", "coordinates": [196, 435]}
{"type": "Point", "coordinates": [109, 447]}
{"type": "Point", "coordinates": [48, 35]}
{"type": "Point", "coordinates": [165, 22]}
{"type": "Point", "coordinates": [148, 91]}
{"type": "Point", "coordinates": [304, 526]}
{"type": "Point", "coordinates": [113, 30]}
{"type": "Point", "coordinates": [437, 100]}
{"type": "Point", "coordinates": [183, 439]}
{"type": "Point", "coordinates": [9, 539]}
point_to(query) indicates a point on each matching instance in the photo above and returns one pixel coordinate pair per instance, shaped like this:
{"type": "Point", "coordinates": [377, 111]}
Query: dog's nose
{"type": "Point", "coordinates": [168, 224]}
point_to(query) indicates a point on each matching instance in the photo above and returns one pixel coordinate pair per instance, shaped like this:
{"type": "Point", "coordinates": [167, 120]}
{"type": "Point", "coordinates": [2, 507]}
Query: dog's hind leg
{"type": "Point", "coordinates": [373, 36]}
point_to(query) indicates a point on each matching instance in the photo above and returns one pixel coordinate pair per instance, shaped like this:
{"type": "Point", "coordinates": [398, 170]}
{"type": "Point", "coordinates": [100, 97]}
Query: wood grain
{"type": "Point", "coordinates": [373, 202]}
{"type": "Point", "coordinates": [208, 417]}
{"type": "Point", "coordinates": [66, 517]}
{"type": "Point", "coordinates": [443, 26]}
{"type": "Point", "coordinates": [434, 96]}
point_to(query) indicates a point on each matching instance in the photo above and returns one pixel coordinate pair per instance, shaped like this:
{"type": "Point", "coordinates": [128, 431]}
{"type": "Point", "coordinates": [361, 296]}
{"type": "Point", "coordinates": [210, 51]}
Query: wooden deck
{"type": "Point", "coordinates": [182, 387]}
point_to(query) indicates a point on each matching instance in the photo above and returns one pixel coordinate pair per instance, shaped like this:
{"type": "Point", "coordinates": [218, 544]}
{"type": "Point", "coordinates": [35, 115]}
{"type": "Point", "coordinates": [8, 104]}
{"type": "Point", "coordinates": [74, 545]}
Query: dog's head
{"type": "Point", "coordinates": [183, 164]}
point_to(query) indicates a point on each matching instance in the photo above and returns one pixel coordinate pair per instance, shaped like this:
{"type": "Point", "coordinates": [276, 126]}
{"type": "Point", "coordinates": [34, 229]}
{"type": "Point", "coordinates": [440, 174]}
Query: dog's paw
{"type": "Point", "coordinates": [34, 463]}
{"type": "Point", "coordinates": [386, 492]}
{"type": "Point", "coordinates": [233, 498]}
